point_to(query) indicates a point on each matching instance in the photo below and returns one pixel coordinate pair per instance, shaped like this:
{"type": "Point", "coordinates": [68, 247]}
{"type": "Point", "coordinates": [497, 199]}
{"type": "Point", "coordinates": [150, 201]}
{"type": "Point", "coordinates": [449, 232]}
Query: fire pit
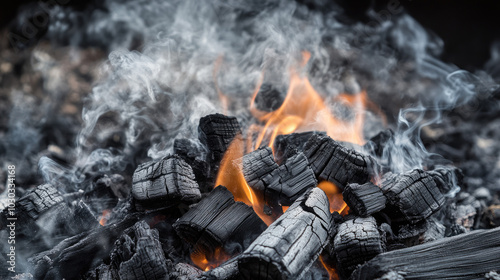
{"type": "Point", "coordinates": [236, 140]}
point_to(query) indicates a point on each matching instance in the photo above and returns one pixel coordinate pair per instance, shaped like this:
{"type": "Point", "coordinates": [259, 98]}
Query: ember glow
{"type": "Point", "coordinates": [105, 217]}
{"type": "Point", "coordinates": [201, 260]}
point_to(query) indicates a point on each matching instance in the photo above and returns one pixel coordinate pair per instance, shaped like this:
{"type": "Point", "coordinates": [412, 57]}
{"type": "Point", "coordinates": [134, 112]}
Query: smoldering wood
{"type": "Point", "coordinates": [465, 256]}
{"type": "Point", "coordinates": [65, 259]}
{"type": "Point", "coordinates": [287, 145]}
{"type": "Point", "coordinates": [168, 181]}
{"type": "Point", "coordinates": [258, 165]}
{"type": "Point", "coordinates": [332, 162]}
{"type": "Point", "coordinates": [138, 254]}
{"type": "Point", "coordinates": [364, 199]}
{"type": "Point", "coordinates": [216, 132]}
{"type": "Point", "coordinates": [218, 220]}
{"type": "Point", "coordinates": [290, 245]}
{"type": "Point", "coordinates": [357, 241]}
{"type": "Point", "coordinates": [414, 194]}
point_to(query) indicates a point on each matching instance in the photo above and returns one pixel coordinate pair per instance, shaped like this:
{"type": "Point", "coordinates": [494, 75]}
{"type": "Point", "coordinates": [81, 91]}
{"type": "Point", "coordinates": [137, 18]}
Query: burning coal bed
{"type": "Point", "coordinates": [303, 206]}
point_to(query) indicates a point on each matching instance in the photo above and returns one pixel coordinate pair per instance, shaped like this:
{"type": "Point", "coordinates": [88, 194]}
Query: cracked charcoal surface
{"type": "Point", "coordinates": [364, 199]}
{"type": "Point", "coordinates": [332, 162]}
{"type": "Point", "coordinates": [257, 165]}
{"type": "Point", "coordinates": [216, 132]}
{"type": "Point", "coordinates": [290, 245]}
{"type": "Point", "coordinates": [466, 256]}
{"type": "Point", "coordinates": [357, 241]}
{"type": "Point", "coordinates": [170, 179]}
{"type": "Point", "coordinates": [217, 220]}
{"type": "Point", "coordinates": [415, 194]}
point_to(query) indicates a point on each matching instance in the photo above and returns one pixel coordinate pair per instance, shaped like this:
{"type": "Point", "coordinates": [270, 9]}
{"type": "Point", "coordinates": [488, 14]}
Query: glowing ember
{"type": "Point", "coordinates": [205, 262]}
{"type": "Point", "coordinates": [105, 217]}
{"type": "Point", "coordinates": [334, 194]}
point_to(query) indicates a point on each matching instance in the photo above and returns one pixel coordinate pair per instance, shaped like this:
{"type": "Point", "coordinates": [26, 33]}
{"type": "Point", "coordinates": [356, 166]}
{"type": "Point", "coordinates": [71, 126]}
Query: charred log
{"type": "Point", "coordinates": [164, 182]}
{"type": "Point", "coordinates": [290, 245]}
{"type": "Point", "coordinates": [184, 271]}
{"type": "Point", "coordinates": [226, 271]}
{"type": "Point", "coordinates": [415, 194]}
{"type": "Point", "coordinates": [332, 162]}
{"type": "Point", "coordinates": [218, 220]}
{"type": "Point", "coordinates": [365, 199]}
{"type": "Point", "coordinates": [216, 132]}
{"type": "Point", "coordinates": [195, 154]}
{"type": "Point", "coordinates": [466, 256]}
{"type": "Point", "coordinates": [257, 166]}
{"type": "Point", "coordinates": [356, 242]}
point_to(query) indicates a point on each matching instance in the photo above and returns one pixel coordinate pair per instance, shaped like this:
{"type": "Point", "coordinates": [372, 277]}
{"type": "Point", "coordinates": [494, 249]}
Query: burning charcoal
{"type": "Point", "coordinates": [290, 245]}
{"type": "Point", "coordinates": [164, 182]}
{"type": "Point", "coordinates": [415, 194]}
{"type": "Point", "coordinates": [257, 165]}
{"type": "Point", "coordinates": [138, 254]}
{"type": "Point", "coordinates": [288, 144]}
{"type": "Point", "coordinates": [491, 216]}
{"type": "Point", "coordinates": [466, 256]}
{"type": "Point", "coordinates": [332, 162]}
{"type": "Point", "coordinates": [364, 199]}
{"type": "Point", "coordinates": [216, 132]}
{"type": "Point", "coordinates": [268, 98]}
{"type": "Point", "coordinates": [74, 255]}
{"type": "Point", "coordinates": [357, 241]}
{"type": "Point", "coordinates": [377, 143]}
{"type": "Point", "coordinates": [218, 220]}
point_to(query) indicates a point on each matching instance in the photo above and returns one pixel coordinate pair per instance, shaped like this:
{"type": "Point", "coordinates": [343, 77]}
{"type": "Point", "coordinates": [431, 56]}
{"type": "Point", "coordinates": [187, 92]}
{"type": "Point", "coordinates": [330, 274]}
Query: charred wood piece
{"type": "Point", "coordinates": [290, 245]}
{"type": "Point", "coordinates": [218, 220]}
{"type": "Point", "coordinates": [167, 181]}
{"type": "Point", "coordinates": [356, 242]}
{"type": "Point", "coordinates": [466, 256]}
{"type": "Point", "coordinates": [216, 132]}
{"type": "Point", "coordinates": [364, 199]}
{"type": "Point", "coordinates": [184, 271]}
{"type": "Point", "coordinates": [257, 165]}
{"type": "Point", "coordinates": [138, 254]}
{"type": "Point", "coordinates": [491, 216]}
{"type": "Point", "coordinates": [287, 145]}
{"type": "Point", "coordinates": [415, 194]}
{"type": "Point", "coordinates": [278, 185]}
{"type": "Point", "coordinates": [226, 271]}
{"type": "Point", "coordinates": [332, 162]}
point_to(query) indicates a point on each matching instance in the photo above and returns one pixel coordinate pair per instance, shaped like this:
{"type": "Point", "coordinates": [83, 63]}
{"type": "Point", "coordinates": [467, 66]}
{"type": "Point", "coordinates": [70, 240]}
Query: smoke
{"type": "Point", "coordinates": [172, 62]}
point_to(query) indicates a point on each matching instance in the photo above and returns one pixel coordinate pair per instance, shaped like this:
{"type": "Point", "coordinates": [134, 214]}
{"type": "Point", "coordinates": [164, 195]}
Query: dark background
{"type": "Point", "coordinates": [468, 28]}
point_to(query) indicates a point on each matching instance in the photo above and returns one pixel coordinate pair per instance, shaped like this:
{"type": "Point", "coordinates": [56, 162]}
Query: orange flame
{"type": "Point", "coordinates": [331, 271]}
{"type": "Point", "coordinates": [105, 217]}
{"type": "Point", "coordinates": [205, 262]}
{"type": "Point", "coordinates": [303, 109]}
{"type": "Point", "coordinates": [231, 177]}
{"type": "Point", "coordinates": [335, 197]}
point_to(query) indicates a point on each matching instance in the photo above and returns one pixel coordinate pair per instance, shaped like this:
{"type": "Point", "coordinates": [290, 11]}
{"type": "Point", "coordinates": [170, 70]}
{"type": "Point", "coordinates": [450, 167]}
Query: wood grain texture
{"type": "Point", "coordinates": [364, 199]}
